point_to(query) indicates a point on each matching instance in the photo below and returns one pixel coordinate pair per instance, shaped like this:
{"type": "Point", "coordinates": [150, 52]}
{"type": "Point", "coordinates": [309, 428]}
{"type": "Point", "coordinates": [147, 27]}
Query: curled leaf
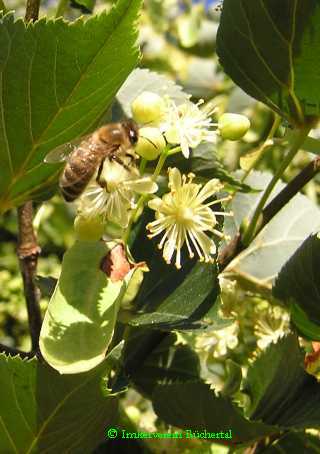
{"type": "Point", "coordinates": [80, 319]}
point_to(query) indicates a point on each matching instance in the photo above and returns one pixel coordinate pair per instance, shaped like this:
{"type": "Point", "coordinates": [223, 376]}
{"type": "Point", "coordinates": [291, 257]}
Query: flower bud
{"type": "Point", "coordinates": [88, 229]}
{"type": "Point", "coordinates": [150, 144]}
{"type": "Point", "coordinates": [148, 108]}
{"type": "Point", "coordinates": [233, 126]}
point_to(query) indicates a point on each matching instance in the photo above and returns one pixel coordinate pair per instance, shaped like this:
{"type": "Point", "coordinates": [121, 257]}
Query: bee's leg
{"type": "Point", "coordinates": [100, 182]}
{"type": "Point", "coordinates": [116, 158]}
{"type": "Point", "coordinates": [132, 158]}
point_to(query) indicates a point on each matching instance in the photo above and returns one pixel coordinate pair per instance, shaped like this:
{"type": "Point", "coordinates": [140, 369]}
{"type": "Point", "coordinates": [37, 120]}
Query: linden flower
{"type": "Point", "coordinates": [183, 217]}
{"type": "Point", "coordinates": [115, 199]}
{"type": "Point", "coordinates": [218, 342]}
{"type": "Point", "coordinates": [272, 326]}
{"type": "Point", "coordinates": [187, 126]}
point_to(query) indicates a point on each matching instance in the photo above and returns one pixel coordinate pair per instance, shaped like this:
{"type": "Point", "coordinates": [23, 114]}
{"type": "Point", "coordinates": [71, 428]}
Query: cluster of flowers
{"type": "Point", "coordinates": [184, 215]}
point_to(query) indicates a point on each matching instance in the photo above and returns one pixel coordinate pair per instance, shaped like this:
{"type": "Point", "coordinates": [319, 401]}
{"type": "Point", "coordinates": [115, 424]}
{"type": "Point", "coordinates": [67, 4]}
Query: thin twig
{"type": "Point", "coordinates": [28, 251]}
{"type": "Point", "coordinates": [32, 10]}
{"type": "Point", "coordinates": [14, 352]}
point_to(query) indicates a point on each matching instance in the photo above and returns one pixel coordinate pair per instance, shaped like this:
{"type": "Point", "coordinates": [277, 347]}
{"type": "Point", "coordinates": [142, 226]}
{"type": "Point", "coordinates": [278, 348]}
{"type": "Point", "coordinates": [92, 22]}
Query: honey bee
{"type": "Point", "coordinates": [111, 141]}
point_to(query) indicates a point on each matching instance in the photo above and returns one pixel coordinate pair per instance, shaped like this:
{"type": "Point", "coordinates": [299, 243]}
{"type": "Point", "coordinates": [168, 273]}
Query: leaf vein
{"type": "Point", "coordinates": [55, 74]}
{"type": "Point", "coordinates": [53, 413]}
{"type": "Point", "coordinates": [3, 121]}
{"type": "Point", "coordinates": [19, 408]}
{"type": "Point", "coordinates": [258, 53]}
{"type": "Point", "coordinates": [8, 435]}
{"type": "Point", "coordinates": [262, 94]}
{"type": "Point", "coordinates": [115, 29]}
{"type": "Point", "coordinates": [277, 30]}
{"type": "Point", "coordinates": [29, 102]}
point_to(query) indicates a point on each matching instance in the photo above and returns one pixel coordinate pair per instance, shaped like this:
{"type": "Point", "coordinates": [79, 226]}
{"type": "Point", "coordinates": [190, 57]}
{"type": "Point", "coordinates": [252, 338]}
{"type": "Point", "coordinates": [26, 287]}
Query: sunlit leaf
{"type": "Point", "coordinates": [80, 319]}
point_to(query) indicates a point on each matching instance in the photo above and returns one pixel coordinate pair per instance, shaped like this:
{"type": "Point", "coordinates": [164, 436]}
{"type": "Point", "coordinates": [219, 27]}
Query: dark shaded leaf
{"type": "Point", "coordinates": [303, 324]}
{"type": "Point", "coordinates": [188, 302]}
{"type": "Point", "coordinates": [194, 406]}
{"type": "Point", "coordinates": [168, 363]}
{"type": "Point", "coordinates": [295, 443]}
{"type": "Point", "coordinates": [285, 396]}
{"type": "Point", "coordinates": [43, 411]}
{"type": "Point", "coordinates": [299, 279]}
{"type": "Point", "coordinates": [271, 50]}
{"type": "Point", "coordinates": [169, 298]}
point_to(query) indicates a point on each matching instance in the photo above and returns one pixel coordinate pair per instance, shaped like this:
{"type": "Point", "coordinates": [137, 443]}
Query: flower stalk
{"type": "Point", "coordinates": [250, 232]}
{"type": "Point", "coordinates": [261, 150]}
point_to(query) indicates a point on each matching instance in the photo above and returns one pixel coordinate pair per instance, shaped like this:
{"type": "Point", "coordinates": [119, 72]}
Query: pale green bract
{"type": "Point", "coordinates": [80, 319]}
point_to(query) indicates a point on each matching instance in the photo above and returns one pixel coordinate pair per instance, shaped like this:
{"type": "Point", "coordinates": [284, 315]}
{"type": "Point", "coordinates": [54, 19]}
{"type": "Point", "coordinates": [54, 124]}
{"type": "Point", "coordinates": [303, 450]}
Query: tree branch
{"type": "Point", "coordinates": [28, 251]}
{"type": "Point", "coordinates": [32, 10]}
{"type": "Point", "coordinates": [292, 188]}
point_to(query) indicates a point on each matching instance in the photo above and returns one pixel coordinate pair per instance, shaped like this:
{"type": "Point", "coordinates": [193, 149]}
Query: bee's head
{"type": "Point", "coordinates": [132, 131]}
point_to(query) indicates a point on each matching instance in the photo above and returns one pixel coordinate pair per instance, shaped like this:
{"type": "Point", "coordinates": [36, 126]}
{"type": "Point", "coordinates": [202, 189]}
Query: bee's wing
{"type": "Point", "coordinates": [61, 153]}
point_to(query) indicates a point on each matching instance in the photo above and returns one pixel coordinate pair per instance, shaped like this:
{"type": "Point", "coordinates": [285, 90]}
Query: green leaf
{"type": "Point", "coordinates": [234, 378]}
{"type": "Point", "coordinates": [85, 63]}
{"type": "Point", "coordinates": [271, 50]}
{"type": "Point", "coordinates": [258, 265]}
{"type": "Point", "coordinates": [187, 302]}
{"type": "Point", "coordinates": [79, 322]}
{"type": "Point", "coordinates": [304, 325]}
{"type": "Point", "coordinates": [169, 298]}
{"type": "Point", "coordinates": [42, 411]}
{"type": "Point", "coordinates": [312, 145]}
{"type": "Point", "coordinates": [299, 279]}
{"type": "Point", "coordinates": [286, 396]}
{"type": "Point", "coordinates": [195, 406]}
{"type": "Point", "coordinates": [168, 363]}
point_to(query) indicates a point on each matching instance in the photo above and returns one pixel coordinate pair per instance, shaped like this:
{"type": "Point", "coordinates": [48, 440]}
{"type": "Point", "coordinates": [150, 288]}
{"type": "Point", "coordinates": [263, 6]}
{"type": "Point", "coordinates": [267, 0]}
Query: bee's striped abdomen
{"type": "Point", "coordinates": [78, 172]}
